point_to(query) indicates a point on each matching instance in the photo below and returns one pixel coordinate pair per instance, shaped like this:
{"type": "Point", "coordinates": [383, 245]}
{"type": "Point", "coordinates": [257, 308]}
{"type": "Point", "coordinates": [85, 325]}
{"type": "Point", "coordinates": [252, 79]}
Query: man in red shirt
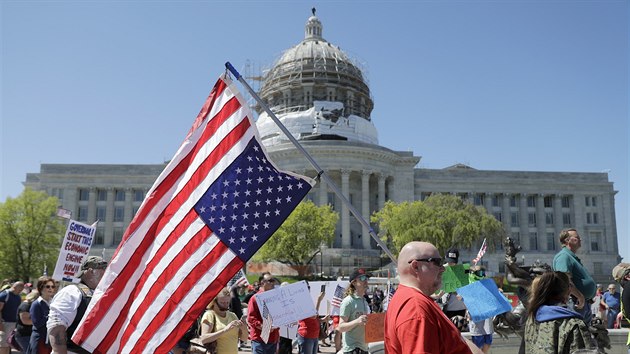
{"type": "Point", "coordinates": [254, 321]}
{"type": "Point", "coordinates": [414, 323]}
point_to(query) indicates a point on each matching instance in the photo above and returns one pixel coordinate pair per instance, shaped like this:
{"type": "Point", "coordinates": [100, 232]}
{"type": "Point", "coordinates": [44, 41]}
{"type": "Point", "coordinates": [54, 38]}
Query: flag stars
{"type": "Point", "coordinates": [248, 193]}
{"type": "Point", "coordinates": [250, 169]}
{"type": "Point", "coordinates": [241, 250]}
{"type": "Point", "coordinates": [257, 202]}
{"type": "Point", "coordinates": [226, 183]}
{"type": "Point", "coordinates": [222, 218]}
{"type": "Point", "coordinates": [214, 196]}
{"type": "Point", "coordinates": [249, 158]}
{"type": "Point", "coordinates": [248, 181]}
{"type": "Point", "coordinates": [267, 213]}
{"type": "Point", "coordinates": [233, 228]}
{"type": "Point", "coordinates": [268, 201]}
{"type": "Point", "coordinates": [245, 216]}
{"type": "Point", "coordinates": [232, 240]}
{"type": "Point", "coordinates": [243, 239]}
{"type": "Point", "coordinates": [246, 205]}
{"type": "Point", "coordinates": [237, 182]}
{"type": "Point", "coordinates": [259, 180]}
{"type": "Point", "coordinates": [235, 205]}
{"type": "Point", "coordinates": [213, 208]}
{"type": "Point", "coordinates": [238, 171]}
{"type": "Point", "coordinates": [269, 190]}
{"type": "Point", "coordinates": [266, 225]}
{"type": "Point", "coordinates": [258, 191]}
{"type": "Point", "coordinates": [223, 206]}
{"type": "Point", "coordinates": [255, 226]}
{"type": "Point", "coordinates": [279, 188]}
{"type": "Point", "coordinates": [211, 220]}
{"type": "Point", "coordinates": [300, 185]}
{"type": "Point", "coordinates": [290, 187]}
{"type": "Point", "coordinates": [236, 194]}
{"type": "Point", "coordinates": [278, 200]}
{"type": "Point", "coordinates": [224, 195]}
{"type": "Point", "coordinates": [221, 230]}
{"type": "Point", "coordinates": [277, 212]}
{"type": "Point", "coordinates": [202, 209]}
{"type": "Point", "coordinates": [289, 199]}
{"type": "Point", "coordinates": [256, 216]}
{"type": "Point", "coordinates": [234, 217]}
{"type": "Point", "coordinates": [260, 168]}
{"type": "Point", "coordinates": [270, 178]}
{"type": "Point", "coordinates": [244, 228]}
{"type": "Point", "coordinates": [254, 238]}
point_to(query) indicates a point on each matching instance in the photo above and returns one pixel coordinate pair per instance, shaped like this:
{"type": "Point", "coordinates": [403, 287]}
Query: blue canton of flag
{"type": "Point", "coordinates": [249, 201]}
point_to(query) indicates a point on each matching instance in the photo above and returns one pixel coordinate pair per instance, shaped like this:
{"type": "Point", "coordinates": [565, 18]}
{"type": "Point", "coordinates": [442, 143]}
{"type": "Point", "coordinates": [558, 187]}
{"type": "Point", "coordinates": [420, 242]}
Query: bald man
{"type": "Point", "coordinates": [414, 323]}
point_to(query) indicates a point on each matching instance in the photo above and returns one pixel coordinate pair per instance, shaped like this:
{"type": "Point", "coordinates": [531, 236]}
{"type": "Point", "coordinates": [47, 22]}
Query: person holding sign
{"type": "Point", "coordinates": [255, 321]}
{"type": "Point", "coordinates": [308, 329]}
{"type": "Point", "coordinates": [353, 314]}
{"type": "Point", "coordinates": [414, 323]}
{"type": "Point", "coordinates": [223, 326]}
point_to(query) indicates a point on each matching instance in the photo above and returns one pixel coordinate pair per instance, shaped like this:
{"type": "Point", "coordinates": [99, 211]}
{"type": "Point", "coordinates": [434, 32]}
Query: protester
{"type": "Point", "coordinates": [621, 273]}
{"type": "Point", "coordinates": [221, 325]}
{"type": "Point", "coordinates": [24, 324]}
{"type": "Point", "coordinates": [597, 309]}
{"type": "Point", "coordinates": [481, 331]}
{"type": "Point", "coordinates": [453, 303]}
{"type": "Point", "coordinates": [612, 302]}
{"type": "Point", "coordinates": [308, 329]}
{"type": "Point", "coordinates": [353, 314]}
{"type": "Point", "coordinates": [9, 302]}
{"type": "Point", "coordinates": [551, 327]}
{"type": "Point", "coordinates": [414, 323]}
{"type": "Point", "coordinates": [255, 321]}
{"type": "Point", "coordinates": [566, 261]}
{"type": "Point", "coordinates": [47, 288]}
{"type": "Point", "coordinates": [69, 305]}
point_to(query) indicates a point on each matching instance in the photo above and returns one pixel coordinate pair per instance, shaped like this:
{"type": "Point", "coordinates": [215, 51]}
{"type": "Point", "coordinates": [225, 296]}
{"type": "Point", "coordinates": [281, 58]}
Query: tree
{"type": "Point", "coordinates": [300, 236]}
{"type": "Point", "coordinates": [29, 234]}
{"type": "Point", "coordinates": [443, 220]}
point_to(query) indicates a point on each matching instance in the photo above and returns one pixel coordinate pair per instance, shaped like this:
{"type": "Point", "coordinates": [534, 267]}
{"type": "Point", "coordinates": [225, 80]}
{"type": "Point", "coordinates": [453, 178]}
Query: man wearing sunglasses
{"type": "Point", "coordinates": [255, 320]}
{"type": "Point", "coordinates": [414, 323]}
{"type": "Point", "coordinates": [353, 314]}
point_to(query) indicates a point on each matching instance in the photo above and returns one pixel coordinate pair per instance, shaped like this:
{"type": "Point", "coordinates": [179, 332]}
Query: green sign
{"type": "Point", "coordinates": [454, 277]}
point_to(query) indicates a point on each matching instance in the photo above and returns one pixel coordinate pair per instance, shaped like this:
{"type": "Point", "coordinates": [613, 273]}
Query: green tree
{"type": "Point", "coordinates": [443, 220]}
{"type": "Point", "coordinates": [300, 236]}
{"type": "Point", "coordinates": [29, 234]}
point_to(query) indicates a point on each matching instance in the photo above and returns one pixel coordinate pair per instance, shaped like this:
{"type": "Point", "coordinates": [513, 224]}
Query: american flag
{"type": "Point", "coordinates": [389, 294]}
{"type": "Point", "coordinates": [338, 296]}
{"type": "Point", "coordinates": [266, 324]}
{"type": "Point", "coordinates": [238, 279]}
{"type": "Point", "coordinates": [214, 205]}
{"type": "Point", "coordinates": [64, 213]}
{"type": "Point", "coordinates": [481, 252]}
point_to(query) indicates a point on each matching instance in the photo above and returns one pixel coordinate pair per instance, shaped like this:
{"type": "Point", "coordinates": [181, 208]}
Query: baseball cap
{"type": "Point", "coordinates": [94, 262]}
{"type": "Point", "coordinates": [452, 255]}
{"type": "Point", "coordinates": [620, 270]}
{"type": "Point", "coordinates": [359, 272]}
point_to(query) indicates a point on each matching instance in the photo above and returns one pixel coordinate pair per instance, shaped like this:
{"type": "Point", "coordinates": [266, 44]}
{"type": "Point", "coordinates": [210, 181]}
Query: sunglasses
{"type": "Point", "coordinates": [50, 286]}
{"type": "Point", "coordinates": [436, 261]}
{"type": "Point", "coordinates": [362, 277]}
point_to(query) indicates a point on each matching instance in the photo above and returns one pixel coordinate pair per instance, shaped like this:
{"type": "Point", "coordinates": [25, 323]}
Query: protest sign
{"type": "Point", "coordinates": [374, 328]}
{"type": "Point", "coordinates": [483, 300]}
{"type": "Point", "coordinates": [454, 277]}
{"type": "Point", "coordinates": [325, 307]}
{"type": "Point", "coordinates": [74, 248]}
{"type": "Point", "coordinates": [289, 331]}
{"type": "Point", "coordinates": [287, 304]}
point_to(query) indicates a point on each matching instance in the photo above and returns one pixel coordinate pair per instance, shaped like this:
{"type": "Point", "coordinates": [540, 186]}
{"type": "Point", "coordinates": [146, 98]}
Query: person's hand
{"type": "Point", "coordinates": [233, 324]}
{"type": "Point", "coordinates": [362, 320]}
{"type": "Point", "coordinates": [321, 296]}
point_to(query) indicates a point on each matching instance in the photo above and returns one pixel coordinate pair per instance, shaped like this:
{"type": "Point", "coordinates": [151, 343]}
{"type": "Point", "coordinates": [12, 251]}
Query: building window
{"type": "Point", "coordinates": [101, 195]}
{"type": "Point", "coordinates": [551, 241]}
{"type": "Point", "coordinates": [531, 201]}
{"type": "Point", "coordinates": [497, 215]}
{"type": "Point", "coordinates": [514, 219]}
{"type": "Point", "coordinates": [588, 218]}
{"type": "Point", "coordinates": [119, 195]}
{"type": "Point", "coordinates": [501, 267]}
{"type": "Point", "coordinates": [119, 214]}
{"type": "Point", "coordinates": [548, 201]}
{"type": "Point", "coordinates": [479, 199]}
{"type": "Point", "coordinates": [331, 200]}
{"type": "Point", "coordinates": [549, 218]}
{"type": "Point", "coordinates": [57, 192]}
{"type": "Point", "coordinates": [595, 219]}
{"type": "Point", "coordinates": [531, 219]}
{"type": "Point", "coordinates": [566, 219]}
{"type": "Point", "coordinates": [514, 201]}
{"type": "Point", "coordinates": [134, 211]}
{"type": "Point", "coordinates": [99, 237]}
{"type": "Point", "coordinates": [424, 196]}
{"type": "Point", "coordinates": [533, 241]}
{"type": "Point", "coordinates": [118, 234]}
{"type": "Point", "coordinates": [598, 268]}
{"type": "Point", "coordinates": [84, 194]}
{"type": "Point", "coordinates": [587, 201]}
{"type": "Point", "coordinates": [566, 202]}
{"type": "Point", "coordinates": [495, 200]}
{"type": "Point", "coordinates": [138, 195]}
{"type": "Point", "coordinates": [595, 241]}
{"type": "Point", "coordinates": [594, 201]}
{"type": "Point", "coordinates": [516, 236]}
{"type": "Point", "coordinates": [101, 213]}
{"type": "Point", "coordinates": [82, 213]}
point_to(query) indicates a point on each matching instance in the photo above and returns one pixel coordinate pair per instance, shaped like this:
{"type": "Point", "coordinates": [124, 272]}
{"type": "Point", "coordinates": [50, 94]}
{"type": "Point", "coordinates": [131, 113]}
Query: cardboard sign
{"type": "Point", "coordinates": [74, 248]}
{"type": "Point", "coordinates": [483, 300]}
{"type": "Point", "coordinates": [325, 307]}
{"type": "Point", "coordinates": [454, 277]}
{"type": "Point", "coordinates": [375, 327]}
{"type": "Point", "coordinates": [287, 304]}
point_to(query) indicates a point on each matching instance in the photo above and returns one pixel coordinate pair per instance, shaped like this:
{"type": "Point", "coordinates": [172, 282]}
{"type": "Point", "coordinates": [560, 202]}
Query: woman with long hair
{"type": "Point", "coordinates": [24, 324]}
{"type": "Point", "coordinates": [551, 327]}
{"type": "Point", "coordinates": [47, 287]}
{"type": "Point", "coordinates": [221, 325]}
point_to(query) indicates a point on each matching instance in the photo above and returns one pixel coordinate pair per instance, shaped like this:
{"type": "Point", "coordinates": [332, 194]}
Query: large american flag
{"type": "Point", "coordinates": [214, 205]}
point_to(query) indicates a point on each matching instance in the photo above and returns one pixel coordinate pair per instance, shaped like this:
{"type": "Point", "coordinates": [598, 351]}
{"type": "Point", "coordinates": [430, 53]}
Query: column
{"type": "Point", "coordinates": [345, 214]}
{"type": "Point", "coordinates": [381, 190]}
{"type": "Point", "coordinates": [128, 207]}
{"type": "Point", "coordinates": [524, 221]}
{"type": "Point", "coordinates": [507, 215]}
{"type": "Point", "coordinates": [365, 207]}
{"type": "Point", "coordinates": [541, 222]}
{"type": "Point", "coordinates": [557, 219]}
{"type": "Point", "coordinates": [109, 218]}
{"type": "Point", "coordinates": [91, 216]}
{"type": "Point", "coordinates": [323, 192]}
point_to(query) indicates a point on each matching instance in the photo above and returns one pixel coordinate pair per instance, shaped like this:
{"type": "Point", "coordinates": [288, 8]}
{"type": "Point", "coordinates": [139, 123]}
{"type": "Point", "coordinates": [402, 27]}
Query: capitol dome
{"type": "Point", "coordinates": [318, 92]}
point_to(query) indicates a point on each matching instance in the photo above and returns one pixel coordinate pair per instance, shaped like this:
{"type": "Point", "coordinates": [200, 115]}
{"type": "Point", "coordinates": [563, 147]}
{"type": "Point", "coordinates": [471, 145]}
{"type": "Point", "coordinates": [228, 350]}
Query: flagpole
{"type": "Point", "coordinates": [320, 172]}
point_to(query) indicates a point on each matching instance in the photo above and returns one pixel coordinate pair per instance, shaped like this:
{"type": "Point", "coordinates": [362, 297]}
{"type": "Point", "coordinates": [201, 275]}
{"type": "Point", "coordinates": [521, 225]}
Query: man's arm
{"type": "Point", "coordinates": [58, 340]}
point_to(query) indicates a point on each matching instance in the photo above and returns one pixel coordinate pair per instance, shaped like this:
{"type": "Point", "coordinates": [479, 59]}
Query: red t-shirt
{"type": "Point", "coordinates": [254, 322]}
{"type": "Point", "coordinates": [309, 327]}
{"type": "Point", "coordinates": [414, 323]}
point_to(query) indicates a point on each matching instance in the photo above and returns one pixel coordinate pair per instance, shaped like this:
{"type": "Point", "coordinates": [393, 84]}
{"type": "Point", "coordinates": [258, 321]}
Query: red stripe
{"type": "Point", "coordinates": [117, 286]}
{"type": "Point", "coordinates": [132, 265]}
{"type": "Point", "coordinates": [195, 311]}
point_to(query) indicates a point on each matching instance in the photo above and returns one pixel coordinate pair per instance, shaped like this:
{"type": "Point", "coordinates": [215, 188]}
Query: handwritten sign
{"type": "Point", "coordinates": [325, 307]}
{"type": "Point", "coordinates": [287, 304]}
{"type": "Point", "coordinates": [375, 327]}
{"type": "Point", "coordinates": [483, 299]}
{"type": "Point", "coordinates": [74, 248]}
{"type": "Point", "coordinates": [454, 277]}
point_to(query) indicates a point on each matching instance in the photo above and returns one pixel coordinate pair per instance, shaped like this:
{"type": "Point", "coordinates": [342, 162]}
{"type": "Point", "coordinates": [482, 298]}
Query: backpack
{"type": "Point", "coordinates": [620, 271]}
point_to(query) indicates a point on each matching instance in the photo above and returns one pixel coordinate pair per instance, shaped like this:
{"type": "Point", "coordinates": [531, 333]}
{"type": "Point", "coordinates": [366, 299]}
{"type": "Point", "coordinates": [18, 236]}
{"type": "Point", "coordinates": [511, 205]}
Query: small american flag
{"type": "Point", "coordinates": [482, 251]}
{"type": "Point", "coordinates": [267, 322]}
{"type": "Point", "coordinates": [64, 213]}
{"type": "Point", "coordinates": [337, 296]}
{"type": "Point", "coordinates": [388, 295]}
{"type": "Point", "coordinates": [238, 280]}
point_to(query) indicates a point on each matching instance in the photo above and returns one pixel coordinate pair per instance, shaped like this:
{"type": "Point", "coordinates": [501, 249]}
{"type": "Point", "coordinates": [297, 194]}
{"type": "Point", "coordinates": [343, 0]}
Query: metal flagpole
{"type": "Point", "coordinates": [320, 172]}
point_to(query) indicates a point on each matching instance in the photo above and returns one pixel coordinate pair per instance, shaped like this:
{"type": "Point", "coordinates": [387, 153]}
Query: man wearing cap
{"type": "Point", "coordinates": [353, 314]}
{"type": "Point", "coordinates": [453, 304]}
{"type": "Point", "coordinates": [9, 302]}
{"type": "Point", "coordinates": [582, 286]}
{"type": "Point", "coordinates": [621, 273]}
{"type": "Point", "coordinates": [414, 323]}
{"type": "Point", "coordinates": [69, 305]}
{"type": "Point", "coordinates": [255, 320]}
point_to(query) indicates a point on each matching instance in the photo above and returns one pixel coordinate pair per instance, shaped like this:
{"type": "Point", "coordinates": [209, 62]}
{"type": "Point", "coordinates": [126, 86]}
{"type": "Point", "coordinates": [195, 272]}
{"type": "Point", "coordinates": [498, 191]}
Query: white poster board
{"type": "Point", "coordinates": [287, 304]}
{"type": "Point", "coordinates": [324, 307]}
{"type": "Point", "coordinates": [74, 248]}
{"type": "Point", "coordinates": [289, 331]}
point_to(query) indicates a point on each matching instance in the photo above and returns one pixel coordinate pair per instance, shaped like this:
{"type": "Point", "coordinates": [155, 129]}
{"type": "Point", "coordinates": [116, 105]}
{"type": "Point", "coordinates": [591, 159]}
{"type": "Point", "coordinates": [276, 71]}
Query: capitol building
{"type": "Point", "coordinates": [321, 95]}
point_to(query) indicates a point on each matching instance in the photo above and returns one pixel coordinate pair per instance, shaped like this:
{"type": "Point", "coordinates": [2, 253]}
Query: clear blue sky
{"type": "Point", "coordinates": [498, 85]}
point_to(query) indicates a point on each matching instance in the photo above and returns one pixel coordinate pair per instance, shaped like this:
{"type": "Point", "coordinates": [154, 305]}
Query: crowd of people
{"type": "Point", "coordinates": [560, 305]}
